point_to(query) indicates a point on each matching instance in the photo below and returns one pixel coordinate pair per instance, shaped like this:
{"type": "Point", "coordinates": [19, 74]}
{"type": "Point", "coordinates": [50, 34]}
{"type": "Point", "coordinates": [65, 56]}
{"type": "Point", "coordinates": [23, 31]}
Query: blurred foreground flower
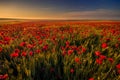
{"type": "Point", "coordinates": [91, 78]}
{"type": "Point", "coordinates": [3, 77]}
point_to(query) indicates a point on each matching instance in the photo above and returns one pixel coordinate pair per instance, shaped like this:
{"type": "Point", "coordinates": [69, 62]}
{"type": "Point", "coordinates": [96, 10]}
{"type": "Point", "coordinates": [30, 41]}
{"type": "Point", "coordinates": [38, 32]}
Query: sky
{"type": "Point", "coordinates": [61, 9]}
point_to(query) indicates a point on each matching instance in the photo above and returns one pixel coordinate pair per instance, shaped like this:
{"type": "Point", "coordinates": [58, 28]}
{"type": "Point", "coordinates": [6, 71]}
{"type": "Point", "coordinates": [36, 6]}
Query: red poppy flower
{"type": "Point", "coordinates": [118, 71]}
{"type": "Point", "coordinates": [45, 47]}
{"type": "Point", "coordinates": [0, 49]}
{"type": "Point", "coordinates": [30, 53]}
{"type": "Point", "coordinates": [73, 47]}
{"type": "Point", "coordinates": [2, 33]}
{"type": "Point", "coordinates": [118, 66]}
{"type": "Point", "coordinates": [79, 52]}
{"type": "Point", "coordinates": [91, 79]}
{"type": "Point", "coordinates": [40, 42]}
{"type": "Point", "coordinates": [72, 70]}
{"type": "Point", "coordinates": [64, 53]}
{"type": "Point", "coordinates": [104, 45]}
{"type": "Point", "coordinates": [54, 38]}
{"type": "Point", "coordinates": [38, 51]}
{"type": "Point", "coordinates": [118, 39]}
{"type": "Point", "coordinates": [113, 31]}
{"type": "Point", "coordinates": [1, 42]}
{"type": "Point", "coordinates": [108, 39]}
{"type": "Point", "coordinates": [3, 77]}
{"type": "Point", "coordinates": [62, 48]}
{"type": "Point", "coordinates": [98, 61]}
{"type": "Point", "coordinates": [110, 59]}
{"type": "Point", "coordinates": [7, 38]}
{"type": "Point", "coordinates": [22, 44]}
{"type": "Point", "coordinates": [62, 37]}
{"type": "Point", "coordinates": [102, 57]}
{"type": "Point", "coordinates": [17, 51]}
{"type": "Point", "coordinates": [97, 53]}
{"type": "Point", "coordinates": [13, 55]}
{"type": "Point", "coordinates": [77, 59]}
{"type": "Point", "coordinates": [70, 52]}
{"type": "Point", "coordinates": [116, 45]}
{"type": "Point", "coordinates": [24, 54]}
{"type": "Point", "coordinates": [29, 46]}
{"type": "Point", "coordinates": [83, 49]}
{"type": "Point", "coordinates": [67, 43]}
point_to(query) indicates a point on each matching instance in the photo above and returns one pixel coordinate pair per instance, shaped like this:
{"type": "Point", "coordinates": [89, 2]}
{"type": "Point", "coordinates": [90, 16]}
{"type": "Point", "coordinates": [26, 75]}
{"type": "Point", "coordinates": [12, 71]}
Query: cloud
{"type": "Point", "coordinates": [94, 14]}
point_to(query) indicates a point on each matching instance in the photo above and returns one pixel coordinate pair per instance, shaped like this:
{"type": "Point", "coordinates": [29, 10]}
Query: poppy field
{"type": "Point", "coordinates": [60, 50]}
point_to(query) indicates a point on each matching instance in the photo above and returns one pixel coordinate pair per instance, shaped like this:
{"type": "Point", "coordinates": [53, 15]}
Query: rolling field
{"type": "Point", "coordinates": [60, 50]}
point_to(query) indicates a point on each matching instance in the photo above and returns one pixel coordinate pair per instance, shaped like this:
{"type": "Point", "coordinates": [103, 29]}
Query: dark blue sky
{"type": "Point", "coordinates": [58, 9]}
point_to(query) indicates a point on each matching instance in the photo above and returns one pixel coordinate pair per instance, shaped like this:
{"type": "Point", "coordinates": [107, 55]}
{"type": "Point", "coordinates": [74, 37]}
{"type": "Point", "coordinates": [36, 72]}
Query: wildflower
{"type": "Point", "coordinates": [17, 51]}
{"type": "Point", "coordinates": [116, 45]}
{"type": "Point", "coordinates": [118, 71]}
{"type": "Point", "coordinates": [104, 45]}
{"type": "Point", "coordinates": [108, 40]}
{"type": "Point", "coordinates": [2, 33]}
{"type": "Point", "coordinates": [3, 77]}
{"type": "Point", "coordinates": [38, 51]}
{"type": "Point", "coordinates": [110, 59]}
{"type": "Point", "coordinates": [79, 48]}
{"type": "Point", "coordinates": [22, 44]}
{"type": "Point", "coordinates": [70, 52]}
{"type": "Point", "coordinates": [24, 54]}
{"type": "Point", "coordinates": [79, 52]}
{"type": "Point", "coordinates": [91, 79]}
{"type": "Point", "coordinates": [30, 53]}
{"type": "Point", "coordinates": [97, 53]}
{"type": "Point", "coordinates": [29, 46]}
{"type": "Point", "coordinates": [67, 43]}
{"type": "Point", "coordinates": [72, 70]}
{"type": "Point", "coordinates": [13, 55]}
{"type": "Point", "coordinates": [54, 38]}
{"type": "Point", "coordinates": [62, 48]}
{"type": "Point", "coordinates": [0, 49]}
{"type": "Point", "coordinates": [64, 53]}
{"type": "Point", "coordinates": [118, 39]}
{"type": "Point", "coordinates": [1, 42]}
{"type": "Point", "coordinates": [102, 57]}
{"type": "Point", "coordinates": [62, 37]}
{"type": "Point", "coordinates": [45, 47]}
{"type": "Point", "coordinates": [118, 66]}
{"type": "Point", "coordinates": [83, 49]}
{"type": "Point", "coordinates": [7, 38]}
{"type": "Point", "coordinates": [40, 42]}
{"type": "Point", "coordinates": [98, 61]}
{"type": "Point", "coordinates": [73, 47]}
{"type": "Point", "coordinates": [113, 31]}
{"type": "Point", "coordinates": [77, 59]}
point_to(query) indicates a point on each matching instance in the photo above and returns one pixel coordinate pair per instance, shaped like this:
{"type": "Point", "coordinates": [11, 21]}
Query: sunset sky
{"type": "Point", "coordinates": [60, 9]}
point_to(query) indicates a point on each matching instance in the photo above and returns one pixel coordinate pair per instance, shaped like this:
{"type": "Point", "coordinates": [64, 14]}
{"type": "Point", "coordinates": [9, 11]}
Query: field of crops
{"type": "Point", "coordinates": [60, 51]}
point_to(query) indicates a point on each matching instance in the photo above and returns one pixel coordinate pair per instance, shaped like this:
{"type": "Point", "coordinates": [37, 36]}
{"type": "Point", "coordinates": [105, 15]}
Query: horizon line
{"type": "Point", "coordinates": [59, 19]}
